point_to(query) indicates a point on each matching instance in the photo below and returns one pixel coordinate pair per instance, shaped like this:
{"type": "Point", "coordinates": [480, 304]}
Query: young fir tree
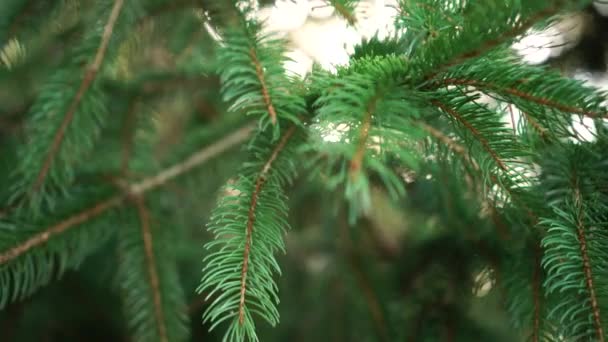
{"type": "Point", "coordinates": [121, 119]}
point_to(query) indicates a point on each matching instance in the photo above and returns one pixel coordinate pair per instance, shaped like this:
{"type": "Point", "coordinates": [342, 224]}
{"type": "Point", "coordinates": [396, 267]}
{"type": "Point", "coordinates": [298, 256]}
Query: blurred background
{"type": "Point", "coordinates": [338, 284]}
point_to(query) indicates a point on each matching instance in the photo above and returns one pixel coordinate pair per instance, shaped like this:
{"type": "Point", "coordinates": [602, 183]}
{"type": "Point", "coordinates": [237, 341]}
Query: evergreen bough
{"type": "Point", "coordinates": [83, 171]}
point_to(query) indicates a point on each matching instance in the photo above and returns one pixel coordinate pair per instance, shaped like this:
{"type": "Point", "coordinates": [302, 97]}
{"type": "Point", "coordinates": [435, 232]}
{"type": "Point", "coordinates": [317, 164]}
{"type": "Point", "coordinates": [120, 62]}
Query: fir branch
{"type": "Point", "coordinates": [87, 80]}
{"type": "Point", "coordinates": [500, 39]}
{"type": "Point", "coordinates": [136, 189]}
{"type": "Point", "coordinates": [19, 234]}
{"type": "Point", "coordinates": [521, 94]}
{"type": "Point", "coordinates": [449, 142]}
{"type": "Point", "coordinates": [144, 218]}
{"type": "Point", "coordinates": [578, 214]}
{"type": "Point", "coordinates": [191, 162]}
{"type": "Point", "coordinates": [357, 159]}
{"type": "Point", "coordinates": [437, 44]}
{"type": "Point", "coordinates": [544, 133]}
{"type": "Point", "coordinates": [50, 232]}
{"type": "Point", "coordinates": [153, 299]}
{"type": "Point", "coordinates": [345, 9]}
{"type": "Point", "coordinates": [65, 121]}
{"type": "Point", "coordinates": [582, 239]}
{"type": "Point", "coordinates": [524, 298]}
{"type": "Point", "coordinates": [484, 142]}
{"type": "Point", "coordinates": [465, 154]}
{"type": "Point", "coordinates": [462, 152]}
{"type": "Point", "coordinates": [248, 225]}
{"type": "Point", "coordinates": [259, 184]}
{"type": "Point", "coordinates": [572, 283]}
{"type": "Point", "coordinates": [252, 76]}
{"type": "Point", "coordinates": [371, 102]}
{"type": "Point", "coordinates": [265, 95]}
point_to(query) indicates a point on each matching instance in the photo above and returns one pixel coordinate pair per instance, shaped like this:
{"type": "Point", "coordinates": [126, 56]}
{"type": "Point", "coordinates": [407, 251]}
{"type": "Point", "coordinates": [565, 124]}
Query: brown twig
{"type": "Point", "coordinates": [513, 124]}
{"type": "Point", "coordinates": [464, 154]}
{"type": "Point", "coordinates": [582, 239]}
{"type": "Point", "coordinates": [87, 80]}
{"type": "Point", "coordinates": [261, 77]}
{"type": "Point", "coordinates": [522, 94]}
{"type": "Point", "coordinates": [452, 145]}
{"type": "Point", "coordinates": [144, 219]}
{"type": "Point", "coordinates": [357, 162]}
{"type": "Point", "coordinates": [484, 142]}
{"type": "Point", "coordinates": [59, 228]}
{"type": "Point", "coordinates": [259, 184]}
{"type": "Point", "coordinates": [540, 129]}
{"type": "Point", "coordinates": [492, 43]}
{"type": "Point", "coordinates": [136, 189]}
{"type": "Point", "coordinates": [345, 12]}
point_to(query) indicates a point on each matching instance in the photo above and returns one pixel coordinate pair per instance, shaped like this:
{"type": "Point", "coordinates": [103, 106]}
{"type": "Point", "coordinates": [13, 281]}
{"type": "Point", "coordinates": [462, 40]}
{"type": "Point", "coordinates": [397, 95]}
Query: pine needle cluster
{"type": "Point", "coordinates": [373, 203]}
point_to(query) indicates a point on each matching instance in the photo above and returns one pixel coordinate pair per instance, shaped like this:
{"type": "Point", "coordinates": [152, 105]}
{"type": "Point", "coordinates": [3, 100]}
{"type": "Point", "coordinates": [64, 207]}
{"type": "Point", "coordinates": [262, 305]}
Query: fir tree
{"type": "Point", "coordinates": [390, 191]}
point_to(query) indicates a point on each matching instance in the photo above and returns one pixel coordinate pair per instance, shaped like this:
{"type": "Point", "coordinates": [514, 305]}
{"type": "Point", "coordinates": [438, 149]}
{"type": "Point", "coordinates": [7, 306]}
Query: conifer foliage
{"type": "Point", "coordinates": [371, 202]}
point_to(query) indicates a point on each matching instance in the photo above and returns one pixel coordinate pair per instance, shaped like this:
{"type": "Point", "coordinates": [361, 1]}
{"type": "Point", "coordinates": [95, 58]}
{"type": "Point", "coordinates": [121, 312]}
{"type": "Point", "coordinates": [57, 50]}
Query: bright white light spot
{"type": "Point", "coordinates": [284, 15]}
{"type": "Point", "coordinates": [312, 28]}
{"type": "Point", "coordinates": [317, 263]}
{"type": "Point", "coordinates": [12, 54]}
{"type": "Point", "coordinates": [536, 47]}
{"type": "Point", "coordinates": [328, 43]}
{"type": "Point", "coordinates": [320, 9]}
{"type": "Point", "coordinates": [483, 283]}
{"type": "Point", "coordinates": [409, 176]}
{"type": "Point", "coordinates": [583, 128]}
{"type": "Point", "coordinates": [298, 63]}
{"type": "Point", "coordinates": [601, 6]}
{"type": "Point", "coordinates": [511, 116]}
{"type": "Point", "coordinates": [333, 133]}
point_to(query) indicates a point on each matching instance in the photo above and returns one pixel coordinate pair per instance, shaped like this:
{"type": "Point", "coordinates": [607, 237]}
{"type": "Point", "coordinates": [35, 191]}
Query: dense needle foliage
{"type": "Point", "coordinates": [397, 198]}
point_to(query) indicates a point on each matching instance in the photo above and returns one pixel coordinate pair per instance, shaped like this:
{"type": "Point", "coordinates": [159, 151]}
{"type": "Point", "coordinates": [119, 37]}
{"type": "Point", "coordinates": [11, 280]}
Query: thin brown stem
{"type": "Point", "coordinates": [259, 70]}
{"type": "Point", "coordinates": [452, 145]}
{"type": "Point", "coordinates": [136, 189]}
{"type": "Point", "coordinates": [540, 129]}
{"type": "Point", "coordinates": [464, 154]}
{"type": "Point", "coordinates": [521, 94]}
{"type": "Point", "coordinates": [345, 13]}
{"type": "Point", "coordinates": [513, 124]}
{"type": "Point", "coordinates": [48, 233]}
{"type": "Point", "coordinates": [356, 162]}
{"type": "Point", "coordinates": [493, 43]}
{"type": "Point", "coordinates": [87, 80]}
{"type": "Point", "coordinates": [146, 233]}
{"type": "Point", "coordinates": [484, 142]}
{"type": "Point", "coordinates": [582, 239]}
{"type": "Point", "coordinates": [251, 216]}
